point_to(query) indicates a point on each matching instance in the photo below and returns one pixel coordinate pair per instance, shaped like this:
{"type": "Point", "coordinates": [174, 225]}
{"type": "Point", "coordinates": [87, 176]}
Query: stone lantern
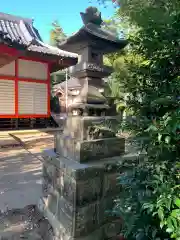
{"type": "Point", "coordinates": [80, 175]}
{"type": "Point", "coordinates": [91, 42]}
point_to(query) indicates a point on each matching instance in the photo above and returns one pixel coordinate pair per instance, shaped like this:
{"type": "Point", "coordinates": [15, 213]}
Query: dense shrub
{"type": "Point", "coordinates": [150, 201]}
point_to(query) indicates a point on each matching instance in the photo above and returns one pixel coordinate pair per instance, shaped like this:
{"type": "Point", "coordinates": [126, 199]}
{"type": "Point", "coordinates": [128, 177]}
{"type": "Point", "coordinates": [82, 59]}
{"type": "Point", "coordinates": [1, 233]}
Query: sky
{"type": "Point", "coordinates": [44, 12]}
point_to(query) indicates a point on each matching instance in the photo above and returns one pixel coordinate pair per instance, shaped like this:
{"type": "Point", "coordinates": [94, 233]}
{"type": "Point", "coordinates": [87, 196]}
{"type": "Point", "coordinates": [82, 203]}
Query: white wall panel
{"type": "Point", "coordinates": [7, 97]}
{"type": "Point", "coordinates": [32, 69]}
{"type": "Point", "coordinates": [8, 70]}
{"type": "Point", "coordinates": [32, 98]}
{"type": "Point", "coordinates": [26, 97]}
{"type": "Point", "coordinates": [40, 99]}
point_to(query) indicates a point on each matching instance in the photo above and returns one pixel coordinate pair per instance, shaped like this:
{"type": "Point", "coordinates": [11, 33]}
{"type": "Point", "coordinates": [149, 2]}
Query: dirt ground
{"type": "Point", "coordinates": [26, 223]}
{"type": "Point", "coordinates": [20, 190]}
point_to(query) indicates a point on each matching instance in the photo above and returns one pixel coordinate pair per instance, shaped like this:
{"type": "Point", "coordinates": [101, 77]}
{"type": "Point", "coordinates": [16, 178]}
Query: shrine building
{"type": "Point", "coordinates": [26, 63]}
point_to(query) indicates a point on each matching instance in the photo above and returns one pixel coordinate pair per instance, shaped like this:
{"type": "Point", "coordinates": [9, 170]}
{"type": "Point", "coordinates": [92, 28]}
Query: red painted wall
{"type": "Point", "coordinates": [16, 78]}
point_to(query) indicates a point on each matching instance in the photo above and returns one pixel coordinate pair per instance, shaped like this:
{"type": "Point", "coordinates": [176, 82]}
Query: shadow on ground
{"type": "Point", "coordinates": [21, 186]}
{"type": "Point", "coordinates": [20, 179]}
{"type": "Point", "coordinates": [26, 223]}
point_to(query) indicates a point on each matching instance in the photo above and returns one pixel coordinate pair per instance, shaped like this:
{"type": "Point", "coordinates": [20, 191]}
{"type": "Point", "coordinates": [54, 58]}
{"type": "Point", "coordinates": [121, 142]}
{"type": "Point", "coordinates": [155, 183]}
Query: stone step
{"type": "Point", "coordinates": [28, 137]}
{"type": "Point", "coordinates": [8, 141]}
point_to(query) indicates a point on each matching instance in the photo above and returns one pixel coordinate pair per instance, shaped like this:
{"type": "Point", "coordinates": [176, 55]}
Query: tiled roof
{"type": "Point", "coordinates": [73, 83]}
{"type": "Point", "coordinates": [5, 39]}
{"type": "Point", "coordinates": [21, 30]}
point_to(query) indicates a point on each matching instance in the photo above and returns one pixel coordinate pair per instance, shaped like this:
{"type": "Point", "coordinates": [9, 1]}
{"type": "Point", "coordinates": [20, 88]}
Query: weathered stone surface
{"type": "Point", "coordinates": [65, 230]}
{"type": "Point", "coordinates": [83, 222]}
{"type": "Point", "coordinates": [79, 185]}
{"type": "Point", "coordinates": [87, 128]}
{"type": "Point", "coordinates": [84, 151]}
{"type": "Point", "coordinates": [59, 143]}
{"type": "Point", "coordinates": [65, 227]}
{"type": "Point", "coordinates": [99, 149]}
{"type": "Point", "coordinates": [81, 196]}
{"type": "Point", "coordinates": [78, 129]}
{"type": "Point", "coordinates": [96, 235]}
{"type": "Point", "coordinates": [71, 168]}
{"type": "Point", "coordinates": [89, 190]}
{"type": "Point", "coordinates": [79, 221]}
{"type": "Point", "coordinates": [52, 178]}
{"type": "Point", "coordinates": [87, 172]}
{"type": "Point", "coordinates": [69, 189]}
{"type": "Point", "coordinates": [81, 171]}
{"type": "Point", "coordinates": [81, 192]}
{"type": "Point", "coordinates": [111, 185]}
{"type": "Point", "coordinates": [52, 204]}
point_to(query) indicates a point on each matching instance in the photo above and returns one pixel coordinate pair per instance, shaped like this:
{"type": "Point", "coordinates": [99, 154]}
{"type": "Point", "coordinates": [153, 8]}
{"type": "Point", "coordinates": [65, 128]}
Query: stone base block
{"type": "Point", "coordinates": [83, 128]}
{"type": "Point", "coordinates": [85, 151]}
{"type": "Point", "coordinates": [80, 197]}
{"type": "Point", "coordinates": [80, 184]}
{"type": "Point", "coordinates": [104, 232]}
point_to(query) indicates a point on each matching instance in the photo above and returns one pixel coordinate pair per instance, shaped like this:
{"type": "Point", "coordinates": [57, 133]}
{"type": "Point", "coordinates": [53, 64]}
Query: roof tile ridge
{"type": "Point", "coordinates": [56, 48]}
{"type": "Point", "coordinates": [14, 18]}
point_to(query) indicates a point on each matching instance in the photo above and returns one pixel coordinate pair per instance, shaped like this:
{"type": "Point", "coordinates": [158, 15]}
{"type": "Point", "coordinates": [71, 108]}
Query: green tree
{"type": "Point", "coordinates": [150, 201]}
{"type": "Point", "coordinates": [118, 61]}
{"type": "Point", "coordinates": [57, 34]}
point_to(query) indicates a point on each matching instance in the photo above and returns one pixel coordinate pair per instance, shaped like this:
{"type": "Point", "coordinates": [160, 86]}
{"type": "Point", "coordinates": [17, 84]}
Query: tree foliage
{"type": "Point", "coordinates": [57, 34]}
{"type": "Point", "coordinates": [150, 201]}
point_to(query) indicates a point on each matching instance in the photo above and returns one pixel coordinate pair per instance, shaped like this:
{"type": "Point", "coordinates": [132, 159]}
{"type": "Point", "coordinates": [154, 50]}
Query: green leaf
{"type": "Point", "coordinates": [168, 203]}
{"type": "Point", "coordinates": [177, 202]}
{"type": "Point", "coordinates": [162, 224]}
{"type": "Point", "coordinates": [161, 213]}
{"type": "Point", "coordinates": [170, 223]}
{"type": "Point", "coordinates": [159, 137]}
{"type": "Point", "coordinates": [154, 214]}
{"type": "Point", "coordinates": [169, 230]}
{"type": "Point", "coordinates": [151, 128]}
{"type": "Point", "coordinates": [149, 206]}
{"type": "Point", "coordinates": [174, 222]}
{"type": "Point", "coordinates": [175, 213]}
{"type": "Point", "coordinates": [146, 62]}
{"type": "Point", "coordinates": [167, 139]}
{"type": "Point", "coordinates": [173, 235]}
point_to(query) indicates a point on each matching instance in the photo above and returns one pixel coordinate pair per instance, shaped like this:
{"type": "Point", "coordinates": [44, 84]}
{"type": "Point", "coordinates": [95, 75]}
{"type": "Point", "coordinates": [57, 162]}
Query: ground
{"type": "Point", "coordinates": [20, 188]}
{"type": "Point", "coordinates": [26, 223]}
